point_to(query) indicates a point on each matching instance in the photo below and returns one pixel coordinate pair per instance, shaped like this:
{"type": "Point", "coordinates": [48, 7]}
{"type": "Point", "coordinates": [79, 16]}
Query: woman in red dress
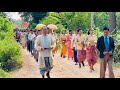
{"type": "Point", "coordinates": [91, 49]}
{"type": "Point", "coordinates": [70, 51]}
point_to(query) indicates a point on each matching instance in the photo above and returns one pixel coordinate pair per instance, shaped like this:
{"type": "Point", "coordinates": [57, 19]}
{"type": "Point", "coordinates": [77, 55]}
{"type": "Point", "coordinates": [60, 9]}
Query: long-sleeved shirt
{"type": "Point", "coordinates": [73, 43]}
{"type": "Point", "coordinates": [31, 36]}
{"type": "Point", "coordinates": [43, 41]}
{"type": "Point", "coordinates": [80, 41]}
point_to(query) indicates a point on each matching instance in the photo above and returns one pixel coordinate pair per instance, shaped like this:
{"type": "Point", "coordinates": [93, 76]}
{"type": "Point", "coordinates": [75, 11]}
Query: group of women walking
{"type": "Point", "coordinates": [80, 47]}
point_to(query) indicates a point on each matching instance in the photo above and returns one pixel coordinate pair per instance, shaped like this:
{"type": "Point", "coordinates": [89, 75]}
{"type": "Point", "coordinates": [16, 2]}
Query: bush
{"type": "Point", "coordinates": [116, 35]}
{"type": "Point", "coordinates": [9, 55]}
{"type": "Point", "coordinates": [97, 32]}
{"type": "Point", "coordinates": [4, 74]}
{"type": "Point", "coordinates": [10, 52]}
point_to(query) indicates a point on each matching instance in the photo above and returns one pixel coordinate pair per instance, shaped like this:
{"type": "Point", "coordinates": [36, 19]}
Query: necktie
{"type": "Point", "coordinates": [106, 44]}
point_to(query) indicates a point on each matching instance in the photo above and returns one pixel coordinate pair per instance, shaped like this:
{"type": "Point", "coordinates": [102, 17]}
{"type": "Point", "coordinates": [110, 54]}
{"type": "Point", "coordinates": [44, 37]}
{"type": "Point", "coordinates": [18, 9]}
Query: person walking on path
{"type": "Point", "coordinates": [80, 42]}
{"type": "Point", "coordinates": [91, 50]}
{"type": "Point", "coordinates": [44, 45]}
{"type": "Point", "coordinates": [70, 51]}
{"type": "Point", "coordinates": [63, 39]}
{"type": "Point", "coordinates": [105, 45]}
{"type": "Point", "coordinates": [73, 47]}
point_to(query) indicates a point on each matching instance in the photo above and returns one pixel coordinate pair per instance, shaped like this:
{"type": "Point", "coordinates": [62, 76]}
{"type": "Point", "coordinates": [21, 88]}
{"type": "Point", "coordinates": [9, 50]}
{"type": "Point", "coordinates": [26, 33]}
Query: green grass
{"type": "Point", "coordinates": [117, 65]}
{"type": "Point", "coordinates": [4, 74]}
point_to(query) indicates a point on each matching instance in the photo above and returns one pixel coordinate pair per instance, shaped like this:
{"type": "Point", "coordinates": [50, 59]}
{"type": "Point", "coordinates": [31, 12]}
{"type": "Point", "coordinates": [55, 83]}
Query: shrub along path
{"type": "Point", "coordinates": [63, 68]}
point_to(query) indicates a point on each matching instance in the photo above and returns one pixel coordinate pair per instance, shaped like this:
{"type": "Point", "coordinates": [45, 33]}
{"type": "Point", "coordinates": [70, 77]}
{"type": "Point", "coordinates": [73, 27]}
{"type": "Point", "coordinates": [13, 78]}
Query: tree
{"type": "Point", "coordinates": [33, 17]}
{"type": "Point", "coordinates": [3, 14]}
{"type": "Point", "coordinates": [112, 20]}
{"type": "Point", "coordinates": [101, 19]}
{"type": "Point", "coordinates": [92, 19]}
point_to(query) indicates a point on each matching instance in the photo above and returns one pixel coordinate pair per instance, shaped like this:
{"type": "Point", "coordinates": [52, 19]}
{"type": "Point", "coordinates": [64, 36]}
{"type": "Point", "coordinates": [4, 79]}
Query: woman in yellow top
{"type": "Point", "coordinates": [91, 50]}
{"type": "Point", "coordinates": [63, 39]}
{"type": "Point", "coordinates": [80, 47]}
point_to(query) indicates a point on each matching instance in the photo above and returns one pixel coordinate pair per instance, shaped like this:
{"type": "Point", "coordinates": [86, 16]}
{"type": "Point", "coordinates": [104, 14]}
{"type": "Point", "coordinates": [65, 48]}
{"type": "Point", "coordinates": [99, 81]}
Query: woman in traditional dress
{"type": "Point", "coordinates": [91, 50]}
{"type": "Point", "coordinates": [23, 39]}
{"type": "Point", "coordinates": [81, 52]}
{"type": "Point", "coordinates": [70, 51]}
{"type": "Point", "coordinates": [56, 41]}
{"type": "Point", "coordinates": [73, 46]}
{"type": "Point", "coordinates": [63, 39]}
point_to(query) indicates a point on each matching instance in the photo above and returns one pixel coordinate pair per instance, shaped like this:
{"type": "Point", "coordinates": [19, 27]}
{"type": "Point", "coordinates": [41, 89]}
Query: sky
{"type": "Point", "coordinates": [14, 15]}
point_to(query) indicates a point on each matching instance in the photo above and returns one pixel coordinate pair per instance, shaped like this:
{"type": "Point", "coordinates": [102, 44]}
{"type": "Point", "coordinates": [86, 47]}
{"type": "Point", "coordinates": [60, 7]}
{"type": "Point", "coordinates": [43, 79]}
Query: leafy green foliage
{"type": "Point", "coordinates": [116, 37]}
{"type": "Point", "coordinates": [9, 49]}
{"type": "Point", "coordinates": [68, 20]}
{"type": "Point", "coordinates": [101, 19]}
{"type": "Point", "coordinates": [4, 74]}
{"type": "Point", "coordinates": [97, 32]}
{"type": "Point", "coordinates": [32, 17]}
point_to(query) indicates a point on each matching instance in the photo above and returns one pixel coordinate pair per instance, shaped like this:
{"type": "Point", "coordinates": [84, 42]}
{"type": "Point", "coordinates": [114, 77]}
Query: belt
{"type": "Point", "coordinates": [46, 48]}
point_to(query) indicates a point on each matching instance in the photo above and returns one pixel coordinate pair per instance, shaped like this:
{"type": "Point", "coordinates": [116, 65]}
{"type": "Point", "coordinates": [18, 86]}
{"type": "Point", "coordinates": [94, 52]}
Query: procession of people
{"type": "Point", "coordinates": [77, 46]}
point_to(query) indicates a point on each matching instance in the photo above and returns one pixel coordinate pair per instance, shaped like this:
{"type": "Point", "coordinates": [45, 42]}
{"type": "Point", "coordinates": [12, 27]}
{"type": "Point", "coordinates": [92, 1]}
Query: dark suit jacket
{"type": "Point", "coordinates": [101, 46]}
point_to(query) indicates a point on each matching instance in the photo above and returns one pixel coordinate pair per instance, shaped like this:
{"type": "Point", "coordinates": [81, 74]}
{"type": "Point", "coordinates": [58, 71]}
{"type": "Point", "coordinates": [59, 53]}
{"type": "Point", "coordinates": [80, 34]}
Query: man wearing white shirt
{"type": "Point", "coordinates": [31, 37]}
{"type": "Point", "coordinates": [44, 45]}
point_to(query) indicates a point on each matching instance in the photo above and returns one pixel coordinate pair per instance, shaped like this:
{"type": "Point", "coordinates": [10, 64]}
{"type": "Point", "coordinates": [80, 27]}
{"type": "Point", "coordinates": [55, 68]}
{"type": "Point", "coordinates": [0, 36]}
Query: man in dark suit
{"type": "Point", "coordinates": [105, 45]}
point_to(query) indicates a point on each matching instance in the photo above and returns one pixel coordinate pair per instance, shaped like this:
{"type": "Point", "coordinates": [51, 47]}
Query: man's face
{"type": "Point", "coordinates": [45, 31]}
{"type": "Point", "coordinates": [106, 32]}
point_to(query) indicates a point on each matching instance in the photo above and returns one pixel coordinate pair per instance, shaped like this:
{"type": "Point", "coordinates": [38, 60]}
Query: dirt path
{"type": "Point", "coordinates": [63, 68]}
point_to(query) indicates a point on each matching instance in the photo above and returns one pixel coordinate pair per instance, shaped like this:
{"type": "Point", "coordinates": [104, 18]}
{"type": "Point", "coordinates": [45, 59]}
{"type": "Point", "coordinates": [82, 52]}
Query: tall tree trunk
{"type": "Point", "coordinates": [92, 19]}
{"type": "Point", "coordinates": [112, 20]}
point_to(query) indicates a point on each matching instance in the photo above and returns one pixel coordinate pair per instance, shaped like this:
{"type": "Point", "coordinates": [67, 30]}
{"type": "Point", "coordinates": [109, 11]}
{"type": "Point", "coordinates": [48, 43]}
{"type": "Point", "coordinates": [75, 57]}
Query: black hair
{"type": "Point", "coordinates": [79, 29]}
{"type": "Point", "coordinates": [89, 32]}
{"type": "Point", "coordinates": [105, 28]}
{"type": "Point", "coordinates": [70, 30]}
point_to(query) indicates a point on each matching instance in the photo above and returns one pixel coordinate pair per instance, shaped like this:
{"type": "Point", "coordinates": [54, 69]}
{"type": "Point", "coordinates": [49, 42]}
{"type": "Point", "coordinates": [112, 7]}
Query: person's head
{"type": "Point", "coordinates": [39, 32]}
{"type": "Point", "coordinates": [106, 31]}
{"type": "Point", "coordinates": [90, 31]}
{"type": "Point", "coordinates": [79, 31]}
{"type": "Point", "coordinates": [45, 30]}
{"type": "Point", "coordinates": [70, 31]}
{"type": "Point", "coordinates": [32, 31]}
{"type": "Point", "coordinates": [64, 31]}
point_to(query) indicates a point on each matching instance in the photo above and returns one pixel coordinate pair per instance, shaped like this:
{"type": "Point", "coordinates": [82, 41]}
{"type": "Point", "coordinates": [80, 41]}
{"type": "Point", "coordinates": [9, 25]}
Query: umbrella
{"type": "Point", "coordinates": [39, 26]}
{"type": "Point", "coordinates": [52, 27]}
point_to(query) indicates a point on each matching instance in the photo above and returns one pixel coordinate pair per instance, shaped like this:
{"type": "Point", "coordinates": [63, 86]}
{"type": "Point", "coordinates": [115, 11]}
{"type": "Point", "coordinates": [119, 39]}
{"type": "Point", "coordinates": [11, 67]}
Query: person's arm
{"type": "Point", "coordinates": [53, 44]}
{"type": "Point", "coordinates": [72, 42]}
{"type": "Point", "coordinates": [113, 46]}
{"type": "Point", "coordinates": [86, 43]}
{"type": "Point", "coordinates": [98, 45]}
{"type": "Point", "coordinates": [37, 44]}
